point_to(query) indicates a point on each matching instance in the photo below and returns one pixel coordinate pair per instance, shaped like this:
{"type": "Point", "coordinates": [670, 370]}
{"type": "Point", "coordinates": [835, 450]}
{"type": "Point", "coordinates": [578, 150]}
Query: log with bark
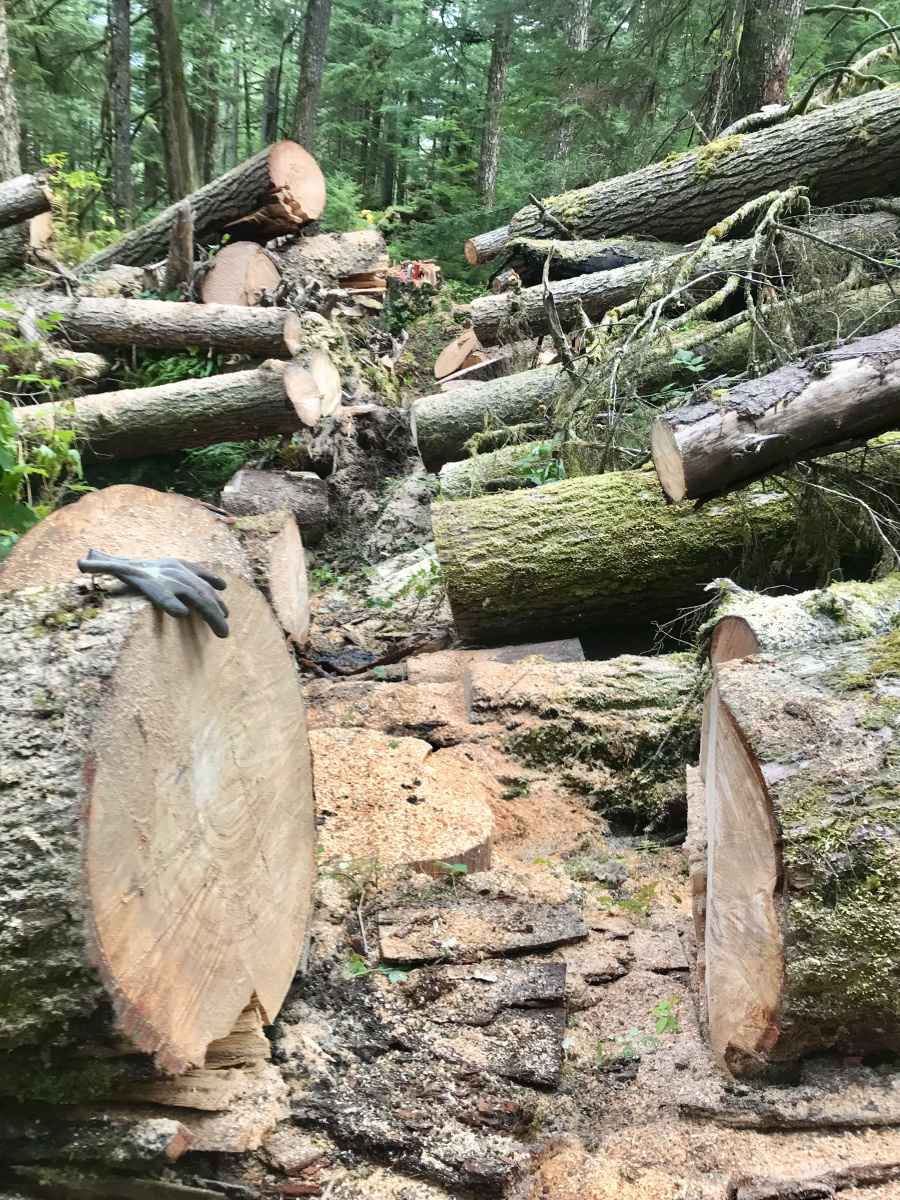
{"type": "Point", "coordinates": [475, 475]}
{"type": "Point", "coordinates": [281, 187]}
{"type": "Point", "coordinates": [301, 493]}
{"type": "Point", "coordinates": [526, 256]}
{"type": "Point", "coordinates": [274, 548]}
{"type": "Point", "coordinates": [276, 398]}
{"type": "Point", "coordinates": [240, 273]}
{"type": "Point", "coordinates": [603, 550]}
{"type": "Point", "coordinates": [329, 257]}
{"type": "Point", "coordinates": [157, 869]}
{"type": "Point", "coordinates": [803, 904]}
{"type": "Point", "coordinates": [23, 197]}
{"type": "Point", "coordinates": [60, 362]}
{"type": "Point", "coordinates": [163, 325]}
{"type": "Point", "coordinates": [605, 289]}
{"type": "Point", "coordinates": [443, 424]}
{"type": "Point", "coordinates": [484, 246]}
{"type": "Point", "coordinates": [764, 424]}
{"type": "Point", "coordinates": [179, 269]}
{"type": "Point", "coordinates": [490, 364]}
{"type": "Point", "coordinates": [843, 152]}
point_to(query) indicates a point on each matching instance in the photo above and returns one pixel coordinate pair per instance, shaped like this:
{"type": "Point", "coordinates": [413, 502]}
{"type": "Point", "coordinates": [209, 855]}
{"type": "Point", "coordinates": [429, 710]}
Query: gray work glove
{"type": "Point", "coordinates": [173, 584]}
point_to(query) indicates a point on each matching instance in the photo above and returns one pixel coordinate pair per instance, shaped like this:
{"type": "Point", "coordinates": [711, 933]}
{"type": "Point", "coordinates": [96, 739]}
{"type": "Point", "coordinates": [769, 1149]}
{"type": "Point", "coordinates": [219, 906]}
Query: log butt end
{"type": "Point", "coordinates": [298, 179]}
{"type": "Point", "coordinates": [667, 461]}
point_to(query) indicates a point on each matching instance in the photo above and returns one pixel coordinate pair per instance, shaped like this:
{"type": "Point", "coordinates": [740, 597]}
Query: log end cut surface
{"type": "Point", "coordinates": [125, 520]}
{"type": "Point", "coordinates": [240, 273]}
{"type": "Point", "coordinates": [298, 180]}
{"type": "Point", "coordinates": [667, 461]}
{"type": "Point", "coordinates": [200, 830]}
{"type": "Point", "coordinates": [395, 800]}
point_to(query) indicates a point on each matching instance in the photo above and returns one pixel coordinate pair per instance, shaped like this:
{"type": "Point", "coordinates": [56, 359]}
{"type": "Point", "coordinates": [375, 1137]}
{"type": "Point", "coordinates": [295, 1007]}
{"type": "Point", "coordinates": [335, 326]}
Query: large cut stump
{"type": "Point", "coordinates": [156, 870]}
{"type": "Point", "coordinates": [276, 191]}
{"type": "Point", "coordinates": [803, 890]}
{"type": "Point", "coordinates": [127, 521]}
{"type": "Point", "coordinates": [241, 273]}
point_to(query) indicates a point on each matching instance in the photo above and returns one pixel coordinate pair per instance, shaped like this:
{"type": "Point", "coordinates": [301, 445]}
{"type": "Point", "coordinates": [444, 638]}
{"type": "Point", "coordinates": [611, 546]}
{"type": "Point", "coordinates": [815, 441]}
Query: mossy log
{"type": "Point", "coordinates": [609, 287]}
{"type": "Point", "coordinates": [843, 152]}
{"type": "Point", "coordinates": [461, 480]}
{"type": "Point", "coordinates": [528, 255]}
{"type": "Point", "coordinates": [442, 424]}
{"type": "Point", "coordinates": [803, 892]}
{"type": "Point", "coordinates": [276, 191]}
{"type": "Point", "coordinates": [619, 730]}
{"type": "Point", "coordinates": [176, 416]}
{"type": "Point", "coordinates": [159, 324]}
{"type": "Point", "coordinates": [598, 551]}
{"type": "Point", "coordinates": [765, 424]}
{"type": "Point", "coordinates": [156, 870]}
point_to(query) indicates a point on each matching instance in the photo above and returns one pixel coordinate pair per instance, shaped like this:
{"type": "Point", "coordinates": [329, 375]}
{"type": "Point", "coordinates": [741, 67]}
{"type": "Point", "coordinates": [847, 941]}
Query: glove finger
{"type": "Point", "coordinates": [208, 607]}
{"type": "Point", "coordinates": [181, 580]}
{"type": "Point", "coordinates": [156, 592]}
{"type": "Point", "coordinates": [205, 573]}
{"type": "Point", "coordinates": [97, 562]}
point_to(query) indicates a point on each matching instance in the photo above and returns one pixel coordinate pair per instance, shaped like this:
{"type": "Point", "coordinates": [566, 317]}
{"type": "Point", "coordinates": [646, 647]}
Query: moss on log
{"type": "Point", "coordinates": [844, 152]}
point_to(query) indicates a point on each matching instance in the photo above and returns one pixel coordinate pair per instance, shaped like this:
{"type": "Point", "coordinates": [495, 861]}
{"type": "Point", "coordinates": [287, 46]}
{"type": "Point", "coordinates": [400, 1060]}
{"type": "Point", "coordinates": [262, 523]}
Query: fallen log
{"type": "Point", "coordinates": [281, 188]}
{"type": "Point", "coordinates": [161, 860]}
{"type": "Point", "coordinates": [751, 623]}
{"type": "Point", "coordinates": [443, 423]}
{"type": "Point", "coordinates": [844, 152]}
{"type": "Point", "coordinates": [21, 198]}
{"type": "Point", "coordinates": [526, 256]}
{"type": "Point", "coordinates": [126, 521]}
{"type": "Point", "coordinates": [162, 325]}
{"type": "Point", "coordinates": [302, 493]}
{"type": "Point", "coordinates": [799, 794]}
{"type": "Point", "coordinates": [493, 364]}
{"type": "Point", "coordinates": [177, 416]}
{"type": "Point", "coordinates": [764, 424]}
{"type": "Point", "coordinates": [471, 476]}
{"type": "Point", "coordinates": [606, 289]}
{"type": "Point", "coordinates": [600, 551]}
{"type": "Point", "coordinates": [60, 362]}
{"type": "Point", "coordinates": [240, 273]}
{"type": "Point", "coordinates": [329, 257]}
{"type": "Point", "coordinates": [485, 246]}
{"type": "Point", "coordinates": [274, 548]}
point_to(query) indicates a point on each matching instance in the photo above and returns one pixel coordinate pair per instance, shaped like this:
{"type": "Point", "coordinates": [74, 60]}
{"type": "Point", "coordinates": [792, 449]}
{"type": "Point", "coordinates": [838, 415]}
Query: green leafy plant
{"type": "Point", "coordinates": [356, 967]}
{"type": "Point", "coordinates": [157, 367]}
{"type": "Point", "coordinates": [75, 196]}
{"type": "Point", "coordinates": [541, 465]}
{"type": "Point", "coordinates": [628, 1044]}
{"type": "Point", "coordinates": [666, 1021]}
{"type": "Point", "coordinates": [688, 360]}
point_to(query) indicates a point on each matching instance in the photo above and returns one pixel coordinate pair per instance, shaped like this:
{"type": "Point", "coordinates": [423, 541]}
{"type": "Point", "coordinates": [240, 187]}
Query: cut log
{"type": "Point", "coordinates": [282, 187]}
{"type": "Point", "coordinates": [23, 197]}
{"type": "Point", "coordinates": [274, 547]}
{"type": "Point", "coordinates": [454, 355]}
{"type": "Point", "coordinates": [159, 865]}
{"type": "Point", "coordinates": [527, 256]}
{"type": "Point", "coordinates": [803, 903]}
{"type": "Point", "coordinates": [751, 623]}
{"type": "Point", "coordinates": [398, 803]}
{"type": "Point", "coordinates": [843, 152]}
{"type": "Point", "coordinates": [606, 289]}
{"type": "Point", "coordinates": [301, 493]}
{"type": "Point", "coordinates": [129, 522]}
{"type": "Point", "coordinates": [485, 246]}
{"type": "Point", "coordinates": [61, 362]}
{"type": "Point", "coordinates": [159, 325]}
{"type": "Point", "coordinates": [597, 551]}
{"type": "Point", "coordinates": [241, 273]}
{"type": "Point", "coordinates": [328, 257]}
{"type": "Point", "coordinates": [495, 363]}
{"type": "Point", "coordinates": [180, 261]}
{"type": "Point", "coordinates": [461, 480]}
{"type": "Point", "coordinates": [321, 368]}
{"type": "Point", "coordinates": [442, 424]}
{"type": "Point", "coordinates": [764, 424]}
{"type": "Point", "coordinates": [177, 416]}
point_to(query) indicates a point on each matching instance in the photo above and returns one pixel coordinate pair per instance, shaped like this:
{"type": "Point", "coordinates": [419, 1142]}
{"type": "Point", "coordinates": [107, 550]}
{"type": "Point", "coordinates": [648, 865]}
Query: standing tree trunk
{"type": "Point", "coordinates": [120, 86]}
{"type": "Point", "coordinates": [312, 68]}
{"type": "Point", "coordinates": [178, 139]}
{"type": "Point", "coordinates": [269, 121]}
{"type": "Point", "coordinates": [575, 31]}
{"type": "Point", "coordinates": [205, 118]}
{"type": "Point", "coordinates": [501, 56]}
{"type": "Point", "coordinates": [756, 46]}
{"type": "Point", "coordinates": [13, 242]}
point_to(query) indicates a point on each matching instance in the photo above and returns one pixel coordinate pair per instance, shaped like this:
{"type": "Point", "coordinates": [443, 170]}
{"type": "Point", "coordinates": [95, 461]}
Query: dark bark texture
{"type": "Point", "coordinates": [120, 87]}
{"type": "Point", "coordinates": [312, 68]}
{"type": "Point", "coordinates": [501, 57]}
{"type": "Point", "coordinates": [178, 138]}
{"type": "Point", "coordinates": [21, 198]}
{"type": "Point", "coordinates": [845, 152]}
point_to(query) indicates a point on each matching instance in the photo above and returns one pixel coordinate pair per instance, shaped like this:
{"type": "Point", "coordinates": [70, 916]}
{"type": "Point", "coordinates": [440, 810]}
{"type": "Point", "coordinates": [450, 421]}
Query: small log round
{"type": "Point", "coordinates": [241, 273]}
{"type": "Point", "coordinates": [274, 548]}
{"type": "Point", "coordinates": [455, 353]}
{"type": "Point", "coordinates": [301, 493]}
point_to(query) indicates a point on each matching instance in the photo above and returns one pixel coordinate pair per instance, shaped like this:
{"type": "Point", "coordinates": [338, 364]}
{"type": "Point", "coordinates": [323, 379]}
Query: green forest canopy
{"type": "Point", "coordinates": [401, 110]}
